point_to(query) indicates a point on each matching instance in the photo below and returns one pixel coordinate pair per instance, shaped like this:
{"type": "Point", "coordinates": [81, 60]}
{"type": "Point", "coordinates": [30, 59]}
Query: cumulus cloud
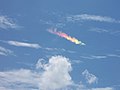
{"type": "Point", "coordinates": [23, 44]}
{"type": "Point", "coordinates": [5, 52]}
{"type": "Point", "coordinates": [55, 76]}
{"type": "Point", "coordinates": [6, 23]}
{"type": "Point", "coordinates": [41, 63]}
{"type": "Point", "coordinates": [22, 79]}
{"type": "Point", "coordinates": [92, 18]}
{"type": "Point", "coordinates": [89, 77]}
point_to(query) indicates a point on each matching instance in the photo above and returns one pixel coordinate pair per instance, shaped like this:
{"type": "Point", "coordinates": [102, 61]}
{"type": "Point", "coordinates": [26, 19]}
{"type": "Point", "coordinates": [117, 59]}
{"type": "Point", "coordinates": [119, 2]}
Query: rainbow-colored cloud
{"type": "Point", "coordinates": [64, 35]}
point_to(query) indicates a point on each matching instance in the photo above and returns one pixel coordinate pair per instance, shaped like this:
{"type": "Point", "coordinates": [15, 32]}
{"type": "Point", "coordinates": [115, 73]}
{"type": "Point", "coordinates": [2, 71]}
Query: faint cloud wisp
{"type": "Point", "coordinates": [89, 77]}
{"type": "Point", "coordinates": [98, 18]}
{"type": "Point", "coordinates": [6, 23]}
{"type": "Point", "coordinates": [5, 52]}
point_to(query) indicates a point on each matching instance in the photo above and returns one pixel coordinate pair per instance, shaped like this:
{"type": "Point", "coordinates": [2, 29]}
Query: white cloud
{"type": "Point", "coordinates": [23, 44]}
{"type": "Point", "coordinates": [98, 57]}
{"type": "Point", "coordinates": [106, 88]}
{"type": "Point", "coordinates": [94, 57]}
{"type": "Point", "coordinates": [22, 78]}
{"type": "Point", "coordinates": [40, 64]}
{"type": "Point", "coordinates": [114, 55]}
{"type": "Point", "coordinates": [102, 30]}
{"type": "Point", "coordinates": [5, 52]}
{"type": "Point", "coordinates": [89, 77]}
{"type": "Point", "coordinates": [99, 30]}
{"type": "Point", "coordinates": [59, 49]}
{"type": "Point", "coordinates": [7, 23]}
{"type": "Point", "coordinates": [91, 18]}
{"type": "Point", "coordinates": [58, 24]}
{"type": "Point", "coordinates": [55, 76]}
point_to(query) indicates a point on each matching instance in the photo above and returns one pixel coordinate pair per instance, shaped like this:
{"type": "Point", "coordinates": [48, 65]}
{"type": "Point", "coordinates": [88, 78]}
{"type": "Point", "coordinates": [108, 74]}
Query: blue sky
{"type": "Point", "coordinates": [31, 58]}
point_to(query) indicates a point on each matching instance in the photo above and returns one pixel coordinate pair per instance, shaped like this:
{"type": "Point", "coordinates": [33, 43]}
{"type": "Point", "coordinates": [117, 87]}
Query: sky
{"type": "Point", "coordinates": [59, 45]}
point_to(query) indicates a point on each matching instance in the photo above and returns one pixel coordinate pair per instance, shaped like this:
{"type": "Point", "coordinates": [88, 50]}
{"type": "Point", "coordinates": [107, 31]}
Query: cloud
{"type": "Point", "coordinates": [114, 55]}
{"type": "Point", "coordinates": [23, 44]}
{"type": "Point", "coordinates": [92, 18]}
{"type": "Point", "coordinates": [89, 77]}
{"type": "Point", "coordinates": [102, 30]}
{"type": "Point", "coordinates": [40, 64]}
{"type": "Point", "coordinates": [59, 49]}
{"type": "Point", "coordinates": [5, 52]}
{"type": "Point", "coordinates": [99, 30]}
{"type": "Point", "coordinates": [107, 88]}
{"type": "Point", "coordinates": [64, 35]}
{"type": "Point", "coordinates": [51, 23]}
{"type": "Point", "coordinates": [6, 23]}
{"type": "Point", "coordinates": [22, 79]}
{"type": "Point", "coordinates": [55, 75]}
{"type": "Point", "coordinates": [94, 57]}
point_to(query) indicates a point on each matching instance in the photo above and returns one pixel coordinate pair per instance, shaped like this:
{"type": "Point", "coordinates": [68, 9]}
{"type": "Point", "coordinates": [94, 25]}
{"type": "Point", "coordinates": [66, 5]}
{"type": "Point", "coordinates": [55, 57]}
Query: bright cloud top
{"type": "Point", "coordinates": [5, 52]}
{"type": "Point", "coordinates": [6, 22]}
{"type": "Point", "coordinates": [23, 44]}
{"type": "Point", "coordinates": [89, 77]}
{"type": "Point", "coordinates": [64, 35]}
{"type": "Point", "coordinates": [55, 75]}
{"type": "Point", "coordinates": [92, 18]}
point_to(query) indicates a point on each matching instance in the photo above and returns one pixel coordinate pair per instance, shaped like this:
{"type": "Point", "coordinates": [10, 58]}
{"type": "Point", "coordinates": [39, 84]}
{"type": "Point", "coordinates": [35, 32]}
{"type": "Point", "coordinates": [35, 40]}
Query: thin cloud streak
{"type": "Point", "coordinates": [101, 30]}
{"type": "Point", "coordinates": [59, 49]}
{"type": "Point", "coordinates": [5, 52]}
{"type": "Point", "coordinates": [6, 23]}
{"type": "Point", "coordinates": [96, 57]}
{"type": "Point", "coordinates": [67, 37]}
{"type": "Point", "coordinates": [23, 44]}
{"type": "Point", "coordinates": [88, 17]}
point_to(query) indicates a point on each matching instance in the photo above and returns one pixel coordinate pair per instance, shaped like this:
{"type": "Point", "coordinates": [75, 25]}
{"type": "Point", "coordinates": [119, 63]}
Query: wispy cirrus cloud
{"type": "Point", "coordinates": [94, 57]}
{"type": "Point", "coordinates": [59, 49]}
{"type": "Point", "coordinates": [89, 77]}
{"type": "Point", "coordinates": [5, 52]}
{"type": "Point", "coordinates": [102, 30]}
{"type": "Point", "coordinates": [55, 75]}
{"type": "Point", "coordinates": [91, 18]}
{"type": "Point", "coordinates": [106, 88]}
{"type": "Point", "coordinates": [99, 30]}
{"type": "Point", "coordinates": [114, 55]}
{"type": "Point", "coordinates": [23, 44]}
{"type": "Point", "coordinates": [6, 22]}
